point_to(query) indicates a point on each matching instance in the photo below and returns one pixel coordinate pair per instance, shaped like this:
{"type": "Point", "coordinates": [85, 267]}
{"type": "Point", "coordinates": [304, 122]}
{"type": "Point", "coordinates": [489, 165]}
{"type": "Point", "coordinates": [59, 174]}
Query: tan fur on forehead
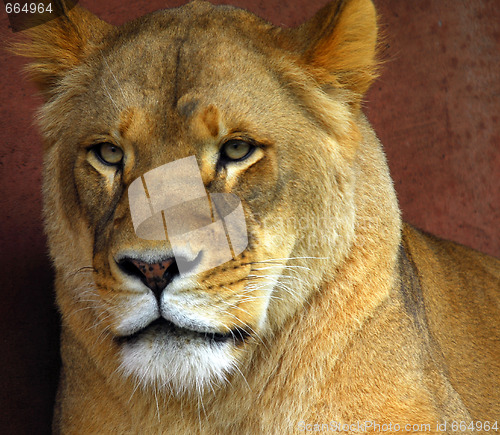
{"type": "Point", "coordinates": [210, 117]}
{"type": "Point", "coordinates": [135, 125]}
{"type": "Point", "coordinates": [204, 121]}
{"type": "Point", "coordinates": [126, 117]}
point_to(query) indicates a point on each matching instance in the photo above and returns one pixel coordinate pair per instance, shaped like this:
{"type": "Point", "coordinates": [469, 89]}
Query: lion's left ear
{"type": "Point", "coordinates": [59, 45]}
{"type": "Point", "coordinates": [339, 44]}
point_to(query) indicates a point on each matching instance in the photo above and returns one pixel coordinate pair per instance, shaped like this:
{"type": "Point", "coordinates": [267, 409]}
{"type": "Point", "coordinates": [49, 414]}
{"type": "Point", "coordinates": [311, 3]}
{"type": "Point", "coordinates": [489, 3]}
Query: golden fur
{"type": "Point", "coordinates": [352, 315]}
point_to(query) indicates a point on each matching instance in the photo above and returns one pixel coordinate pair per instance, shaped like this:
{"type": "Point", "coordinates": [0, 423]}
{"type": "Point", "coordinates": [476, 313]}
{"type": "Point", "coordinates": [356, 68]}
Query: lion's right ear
{"type": "Point", "coordinates": [60, 44]}
{"type": "Point", "coordinates": [339, 44]}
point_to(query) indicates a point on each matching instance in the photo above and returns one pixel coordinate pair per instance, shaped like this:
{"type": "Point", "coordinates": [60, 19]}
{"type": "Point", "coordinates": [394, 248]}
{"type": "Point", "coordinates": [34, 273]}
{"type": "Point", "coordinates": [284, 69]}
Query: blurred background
{"type": "Point", "coordinates": [435, 108]}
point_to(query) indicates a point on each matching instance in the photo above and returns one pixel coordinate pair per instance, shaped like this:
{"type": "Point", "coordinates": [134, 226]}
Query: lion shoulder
{"type": "Point", "coordinates": [460, 291]}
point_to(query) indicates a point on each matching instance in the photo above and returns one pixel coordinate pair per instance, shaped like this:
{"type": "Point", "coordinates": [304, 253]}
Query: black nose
{"type": "Point", "coordinates": [154, 275]}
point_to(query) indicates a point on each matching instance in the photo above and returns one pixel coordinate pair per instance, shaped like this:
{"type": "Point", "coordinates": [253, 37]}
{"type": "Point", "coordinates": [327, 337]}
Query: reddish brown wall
{"type": "Point", "coordinates": [435, 108]}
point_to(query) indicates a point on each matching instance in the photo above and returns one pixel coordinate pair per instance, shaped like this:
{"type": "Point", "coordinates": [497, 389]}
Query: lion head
{"type": "Point", "coordinates": [267, 116]}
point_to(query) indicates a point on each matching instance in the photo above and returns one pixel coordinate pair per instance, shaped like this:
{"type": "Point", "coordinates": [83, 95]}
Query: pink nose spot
{"type": "Point", "coordinates": [155, 273]}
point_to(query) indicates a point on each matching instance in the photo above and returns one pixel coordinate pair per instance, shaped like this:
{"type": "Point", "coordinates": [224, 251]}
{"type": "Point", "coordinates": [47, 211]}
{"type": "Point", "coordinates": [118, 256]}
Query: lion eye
{"type": "Point", "coordinates": [108, 153]}
{"type": "Point", "coordinates": [236, 149]}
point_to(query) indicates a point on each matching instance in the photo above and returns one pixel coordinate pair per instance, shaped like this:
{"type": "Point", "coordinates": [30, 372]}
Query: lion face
{"type": "Point", "coordinates": [220, 88]}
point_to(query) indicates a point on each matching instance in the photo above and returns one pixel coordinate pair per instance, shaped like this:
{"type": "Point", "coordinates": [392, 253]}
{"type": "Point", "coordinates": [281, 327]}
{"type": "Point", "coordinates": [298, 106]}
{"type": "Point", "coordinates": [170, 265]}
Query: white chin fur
{"type": "Point", "coordinates": [169, 362]}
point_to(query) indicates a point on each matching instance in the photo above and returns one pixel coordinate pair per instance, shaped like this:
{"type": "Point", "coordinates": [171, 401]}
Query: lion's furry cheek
{"type": "Point", "coordinates": [69, 234]}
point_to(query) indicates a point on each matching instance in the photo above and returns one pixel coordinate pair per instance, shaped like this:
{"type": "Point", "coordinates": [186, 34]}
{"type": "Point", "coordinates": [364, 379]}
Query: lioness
{"type": "Point", "coordinates": [334, 316]}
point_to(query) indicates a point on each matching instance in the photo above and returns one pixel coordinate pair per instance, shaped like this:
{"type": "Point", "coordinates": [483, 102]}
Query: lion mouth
{"type": "Point", "coordinates": [161, 326]}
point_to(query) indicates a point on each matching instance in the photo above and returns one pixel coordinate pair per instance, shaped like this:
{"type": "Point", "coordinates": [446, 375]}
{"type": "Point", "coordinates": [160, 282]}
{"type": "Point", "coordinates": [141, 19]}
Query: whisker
{"type": "Point", "coordinates": [83, 269]}
{"type": "Point", "coordinates": [285, 267]}
{"type": "Point", "coordinates": [235, 366]}
{"type": "Point", "coordinates": [247, 326]}
{"type": "Point", "coordinates": [109, 95]}
{"type": "Point", "coordinates": [271, 260]}
{"type": "Point", "coordinates": [116, 80]}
